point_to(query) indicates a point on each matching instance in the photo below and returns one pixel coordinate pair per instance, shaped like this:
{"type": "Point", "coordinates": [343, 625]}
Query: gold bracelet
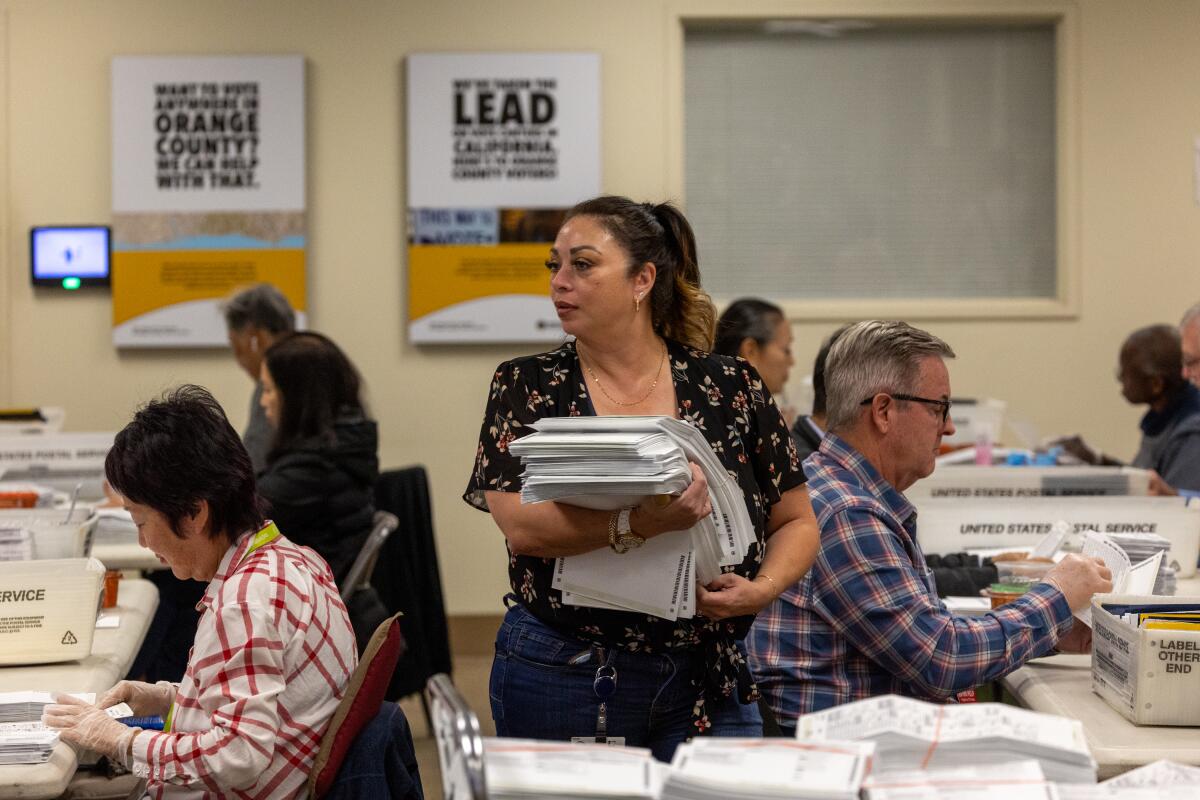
{"type": "Point", "coordinates": [768, 577]}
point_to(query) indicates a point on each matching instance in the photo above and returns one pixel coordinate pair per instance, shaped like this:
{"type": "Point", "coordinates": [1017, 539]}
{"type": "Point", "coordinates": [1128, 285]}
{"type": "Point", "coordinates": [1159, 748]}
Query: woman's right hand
{"type": "Point", "coordinates": [146, 699]}
{"type": "Point", "coordinates": [678, 514]}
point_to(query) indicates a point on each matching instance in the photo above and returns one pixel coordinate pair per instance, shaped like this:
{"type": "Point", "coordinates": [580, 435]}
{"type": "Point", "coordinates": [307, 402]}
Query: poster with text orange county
{"type": "Point", "coordinates": [500, 146]}
{"type": "Point", "coordinates": [208, 192]}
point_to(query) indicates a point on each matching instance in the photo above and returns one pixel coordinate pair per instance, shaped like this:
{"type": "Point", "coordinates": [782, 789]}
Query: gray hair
{"type": "Point", "coordinates": [1190, 316]}
{"type": "Point", "coordinates": [262, 306]}
{"type": "Point", "coordinates": [872, 357]}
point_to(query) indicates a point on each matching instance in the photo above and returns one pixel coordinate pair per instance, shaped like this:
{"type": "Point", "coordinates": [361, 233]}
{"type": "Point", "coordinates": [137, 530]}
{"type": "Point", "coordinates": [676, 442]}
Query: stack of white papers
{"type": "Point", "coordinates": [614, 462]}
{"type": "Point", "coordinates": [522, 768]}
{"type": "Point", "coordinates": [114, 526]}
{"type": "Point", "coordinates": [26, 747]}
{"type": "Point", "coordinates": [729, 768]}
{"type": "Point", "coordinates": [1143, 546]}
{"type": "Point", "coordinates": [27, 706]}
{"type": "Point", "coordinates": [1016, 780]}
{"type": "Point", "coordinates": [16, 543]}
{"type": "Point", "coordinates": [913, 734]}
{"type": "Point", "coordinates": [1156, 775]}
{"type": "Point", "coordinates": [1127, 578]}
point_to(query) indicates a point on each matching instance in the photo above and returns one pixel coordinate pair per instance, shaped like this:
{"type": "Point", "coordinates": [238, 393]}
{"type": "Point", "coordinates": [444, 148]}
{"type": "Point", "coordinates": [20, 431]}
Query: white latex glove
{"type": "Point", "coordinates": [146, 699]}
{"type": "Point", "coordinates": [89, 727]}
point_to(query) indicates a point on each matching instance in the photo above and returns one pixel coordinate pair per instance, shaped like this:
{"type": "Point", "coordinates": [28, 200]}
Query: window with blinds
{"type": "Point", "coordinates": [883, 161]}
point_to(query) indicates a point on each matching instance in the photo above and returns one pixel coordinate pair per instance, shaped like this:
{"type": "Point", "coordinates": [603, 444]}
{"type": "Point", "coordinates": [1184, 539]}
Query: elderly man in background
{"type": "Point", "coordinates": [256, 318]}
{"type": "Point", "coordinates": [866, 619]}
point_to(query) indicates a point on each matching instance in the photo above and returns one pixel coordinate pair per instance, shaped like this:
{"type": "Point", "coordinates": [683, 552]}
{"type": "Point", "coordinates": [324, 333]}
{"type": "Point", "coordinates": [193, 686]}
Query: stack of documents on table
{"type": "Point", "coordinates": [1127, 578]}
{"type": "Point", "coordinates": [1015, 780]}
{"type": "Point", "coordinates": [16, 543]}
{"type": "Point", "coordinates": [1162, 780]}
{"type": "Point", "coordinates": [1142, 546]}
{"type": "Point", "coordinates": [26, 747]}
{"type": "Point", "coordinates": [27, 706]}
{"type": "Point", "coordinates": [721, 768]}
{"type": "Point", "coordinates": [614, 462]}
{"type": "Point", "coordinates": [913, 734]}
{"type": "Point", "coordinates": [114, 526]}
{"type": "Point", "coordinates": [23, 737]}
{"type": "Point", "coordinates": [524, 768]}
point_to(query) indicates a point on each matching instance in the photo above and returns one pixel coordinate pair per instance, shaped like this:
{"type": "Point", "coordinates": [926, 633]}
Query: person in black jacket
{"type": "Point", "coordinates": [323, 460]}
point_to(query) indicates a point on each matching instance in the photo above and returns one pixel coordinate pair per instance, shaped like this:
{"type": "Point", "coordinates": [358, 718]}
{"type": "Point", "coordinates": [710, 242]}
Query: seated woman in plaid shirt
{"type": "Point", "coordinates": [274, 648]}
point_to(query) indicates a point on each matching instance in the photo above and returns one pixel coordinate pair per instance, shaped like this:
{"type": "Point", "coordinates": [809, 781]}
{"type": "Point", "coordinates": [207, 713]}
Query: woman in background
{"type": "Point", "coordinates": [323, 460]}
{"type": "Point", "coordinates": [759, 332]}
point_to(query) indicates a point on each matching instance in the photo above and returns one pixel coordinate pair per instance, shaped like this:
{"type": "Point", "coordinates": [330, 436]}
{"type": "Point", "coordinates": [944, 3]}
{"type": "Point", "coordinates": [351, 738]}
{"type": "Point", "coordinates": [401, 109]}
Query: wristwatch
{"type": "Point", "coordinates": [622, 538]}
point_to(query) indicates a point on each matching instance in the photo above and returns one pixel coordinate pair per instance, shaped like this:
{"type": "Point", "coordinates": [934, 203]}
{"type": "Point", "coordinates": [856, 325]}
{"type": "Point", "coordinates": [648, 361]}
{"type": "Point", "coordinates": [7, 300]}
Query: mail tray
{"type": "Point", "coordinates": [48, 609]}
{"type": "Point", "coordinates": [1149, 676]}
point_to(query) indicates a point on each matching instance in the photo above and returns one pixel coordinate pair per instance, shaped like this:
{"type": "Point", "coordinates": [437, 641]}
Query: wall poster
{"type": "Point", "coordinates": [499, 147]}
{"type": "Point", "coordinates": [208, 188]}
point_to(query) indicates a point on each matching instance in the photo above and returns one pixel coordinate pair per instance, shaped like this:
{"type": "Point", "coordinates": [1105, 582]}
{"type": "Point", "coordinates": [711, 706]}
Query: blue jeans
{"type": "Point", "coordinates": [541, 688]}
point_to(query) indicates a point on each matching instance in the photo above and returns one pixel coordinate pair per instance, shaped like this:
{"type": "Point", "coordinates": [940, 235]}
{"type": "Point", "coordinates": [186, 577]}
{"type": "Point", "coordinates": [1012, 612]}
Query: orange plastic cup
{"type": "Point", "coordinates": [111, 580]}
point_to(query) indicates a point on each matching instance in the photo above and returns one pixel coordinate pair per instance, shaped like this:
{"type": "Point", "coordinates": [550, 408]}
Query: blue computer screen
{"type": "Point", "coordinates": [65, 252]}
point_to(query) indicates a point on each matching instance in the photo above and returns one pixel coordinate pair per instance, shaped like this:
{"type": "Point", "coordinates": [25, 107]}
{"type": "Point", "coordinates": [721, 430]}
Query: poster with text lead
{"type": "Point", "coordinates": [208, 181]}
{"type": "Point", "coordinates": [500, 146]}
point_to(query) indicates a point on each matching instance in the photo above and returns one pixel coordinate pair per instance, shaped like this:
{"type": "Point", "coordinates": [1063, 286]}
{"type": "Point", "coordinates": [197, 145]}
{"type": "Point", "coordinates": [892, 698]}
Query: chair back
{"type": "Point", "coordinates": [364, 564]}
{"type": "Point", "coordinates": [359, 705]}
{"type": "Point", "coordinates": [408, 579]}
{"type": "Point", "coordinates": [459, 741]}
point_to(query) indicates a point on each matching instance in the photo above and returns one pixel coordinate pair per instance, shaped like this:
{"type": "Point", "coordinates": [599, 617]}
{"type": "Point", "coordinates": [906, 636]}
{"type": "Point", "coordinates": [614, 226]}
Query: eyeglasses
{"type": "Point", "coordinates": [942, 405]}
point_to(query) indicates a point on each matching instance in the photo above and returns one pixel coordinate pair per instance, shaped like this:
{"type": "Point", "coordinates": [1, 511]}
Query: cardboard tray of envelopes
{"type": "Point", "coordinates": [1149, 676]}
{"type": "Point", "coordinates": [48, 609]}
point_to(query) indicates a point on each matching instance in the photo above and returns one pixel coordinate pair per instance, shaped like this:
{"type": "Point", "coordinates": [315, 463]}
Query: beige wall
{"type": "Point", "coordinates": [1139, 223]}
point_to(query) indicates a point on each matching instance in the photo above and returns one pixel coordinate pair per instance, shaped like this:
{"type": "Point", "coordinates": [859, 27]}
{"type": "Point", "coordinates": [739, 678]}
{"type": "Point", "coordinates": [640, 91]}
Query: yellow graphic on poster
{"type": "Point", "coordinates": [499, 147]}
{"type": "Point", "coordinates": [208, 191]}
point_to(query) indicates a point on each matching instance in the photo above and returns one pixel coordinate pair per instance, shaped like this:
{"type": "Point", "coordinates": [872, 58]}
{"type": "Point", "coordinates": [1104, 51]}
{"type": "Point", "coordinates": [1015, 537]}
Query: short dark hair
{"type": "Point", "coordinates": [1156, 352]}
{"type": "Point", "coordinates": [262, 306]}
{"type": "Point", "coordinates": [746, 318]}
{"type": "Point", "coordinates": [818, 374]}
{"type": "Point", "coordinates": [179, 450]}
{"type": "Point", "coordinates": [316, 382]}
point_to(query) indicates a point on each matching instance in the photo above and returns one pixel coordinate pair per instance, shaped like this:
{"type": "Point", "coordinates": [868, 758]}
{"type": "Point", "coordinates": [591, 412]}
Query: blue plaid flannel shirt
{"type": "Point", "coordinates": [866, 619]}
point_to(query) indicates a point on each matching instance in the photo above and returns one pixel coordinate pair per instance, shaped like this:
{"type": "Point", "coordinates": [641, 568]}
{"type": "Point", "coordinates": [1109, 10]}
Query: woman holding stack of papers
{"type": "Point", "coordinates": [625, 283]}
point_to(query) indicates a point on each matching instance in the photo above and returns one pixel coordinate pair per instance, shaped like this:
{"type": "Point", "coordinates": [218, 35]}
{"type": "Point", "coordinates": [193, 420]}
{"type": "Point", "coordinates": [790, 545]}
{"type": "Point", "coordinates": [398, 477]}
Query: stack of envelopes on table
{"type": "Point", "coordinates": [515, 769]}
{"type": "Point", "coordinates": [23, 737]}
{"type": "Point", "coordinates": [612, 463]}
{"type": "Point", "coordinates": [913, 734]}
{"type": "Point", "coordinates": [1015, 780]}
{"type": "Point", "coordinates": [722, 768]}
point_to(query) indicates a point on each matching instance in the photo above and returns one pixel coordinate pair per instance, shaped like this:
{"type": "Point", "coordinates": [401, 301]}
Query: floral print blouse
{"type": "Point", "coordinates": [721, 396]}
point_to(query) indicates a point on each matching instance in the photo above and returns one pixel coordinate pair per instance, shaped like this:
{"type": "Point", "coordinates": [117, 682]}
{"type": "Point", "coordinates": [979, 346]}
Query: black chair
{"type": "Point", "coordinates": [407, 578]}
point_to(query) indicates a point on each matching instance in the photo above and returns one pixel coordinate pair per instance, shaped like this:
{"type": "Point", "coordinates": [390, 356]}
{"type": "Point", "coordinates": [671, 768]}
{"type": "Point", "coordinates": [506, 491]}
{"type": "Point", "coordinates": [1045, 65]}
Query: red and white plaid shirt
{"type": "Point", "coordinates": [273, 654]}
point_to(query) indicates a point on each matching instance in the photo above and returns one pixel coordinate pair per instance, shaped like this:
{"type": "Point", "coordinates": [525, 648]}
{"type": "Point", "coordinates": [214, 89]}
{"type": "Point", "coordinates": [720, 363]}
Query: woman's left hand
{"type": "Point", "coordinates": [731, 595]}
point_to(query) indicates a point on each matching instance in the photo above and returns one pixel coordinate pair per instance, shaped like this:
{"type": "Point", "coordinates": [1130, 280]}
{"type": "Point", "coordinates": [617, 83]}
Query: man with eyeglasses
{"type": "Point", "coordinates": [866, 619]}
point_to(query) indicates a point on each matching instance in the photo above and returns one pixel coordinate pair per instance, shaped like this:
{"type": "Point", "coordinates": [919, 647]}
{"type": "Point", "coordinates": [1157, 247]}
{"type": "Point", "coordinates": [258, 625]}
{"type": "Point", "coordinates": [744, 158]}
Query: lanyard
{"type": "Point", "coordinates": [268, 534]}
{"type": "Point", "coordinates": [605, 686]}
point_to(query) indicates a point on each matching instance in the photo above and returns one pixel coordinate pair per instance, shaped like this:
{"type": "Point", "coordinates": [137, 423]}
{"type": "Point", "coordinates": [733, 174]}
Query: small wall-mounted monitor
{"type": "Point", "coordinates": [70, 256]}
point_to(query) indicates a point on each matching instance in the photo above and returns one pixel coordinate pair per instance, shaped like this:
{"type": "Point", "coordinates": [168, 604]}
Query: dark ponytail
{"type": "Point", "coordinates": [679, 308]}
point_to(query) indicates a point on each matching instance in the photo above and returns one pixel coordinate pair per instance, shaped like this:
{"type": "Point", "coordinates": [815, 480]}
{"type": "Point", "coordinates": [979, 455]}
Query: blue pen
{"type": "Point", "coordinates": [146, 723]}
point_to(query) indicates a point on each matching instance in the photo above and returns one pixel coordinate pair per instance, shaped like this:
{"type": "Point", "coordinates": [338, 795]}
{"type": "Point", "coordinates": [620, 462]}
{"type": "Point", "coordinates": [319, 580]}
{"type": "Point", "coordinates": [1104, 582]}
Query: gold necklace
{"type": "Point", "coordinates": [615, 401]}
